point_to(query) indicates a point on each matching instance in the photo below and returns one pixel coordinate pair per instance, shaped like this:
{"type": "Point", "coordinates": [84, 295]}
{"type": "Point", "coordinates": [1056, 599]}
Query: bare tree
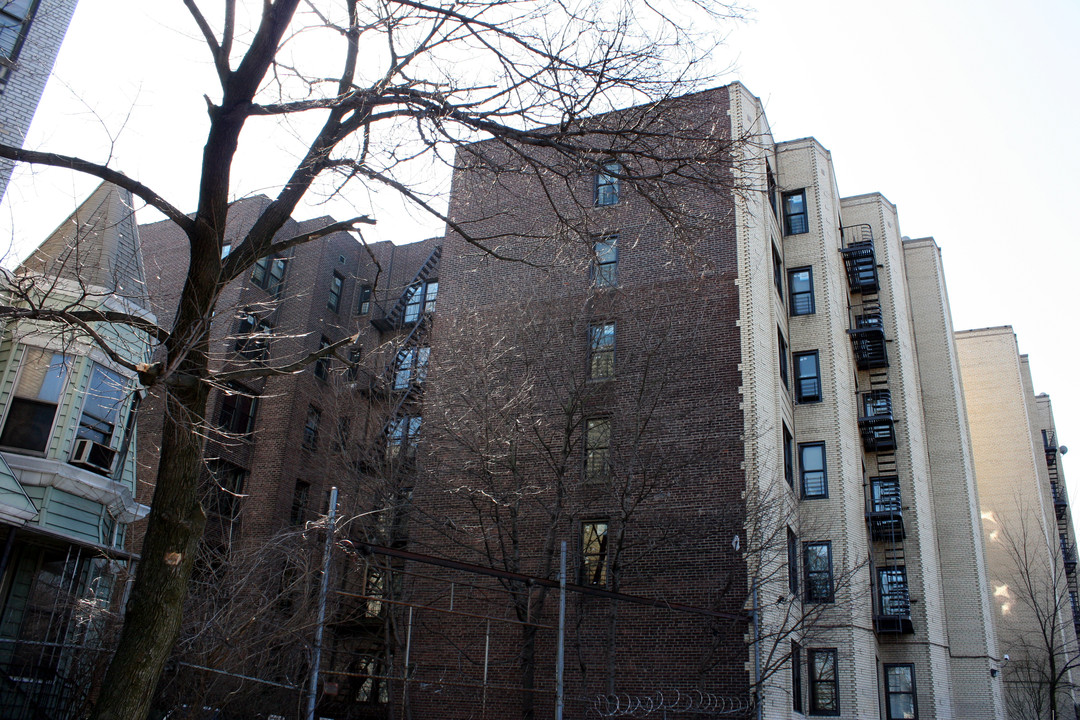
{"type": "Point", "coordinates": [414, 80]}
{"type": "Point", "coordinates": [1037, 631]}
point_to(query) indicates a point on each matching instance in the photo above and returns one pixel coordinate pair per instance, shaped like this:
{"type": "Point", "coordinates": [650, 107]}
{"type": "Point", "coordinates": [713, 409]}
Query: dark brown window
{"type": "Point", "coordinates": [337, 284]}
{"type": "Point", "coordinates": [594, 544]}
{"type": "Point", "coordinates": [602, 351]}
{"type": "Point", "coordinates": [824, 682]}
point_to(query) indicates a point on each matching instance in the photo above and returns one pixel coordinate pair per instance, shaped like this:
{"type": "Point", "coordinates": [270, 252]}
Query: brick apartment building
{"type": "Point", "coordinates": [276, 442]}
{"type": "Point", "coordinates": [1030, 538]}
{"type": "Point", "coordinates": [736, 398]}
{"type": "Point", "coordinates": [30, 35]}
{"type": "Point", "coordinates": [739, 415]}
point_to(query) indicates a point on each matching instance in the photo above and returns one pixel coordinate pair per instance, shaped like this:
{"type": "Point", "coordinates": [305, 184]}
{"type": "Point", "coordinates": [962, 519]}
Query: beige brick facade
{"type": "Point", "coordinates": [1030, 539]}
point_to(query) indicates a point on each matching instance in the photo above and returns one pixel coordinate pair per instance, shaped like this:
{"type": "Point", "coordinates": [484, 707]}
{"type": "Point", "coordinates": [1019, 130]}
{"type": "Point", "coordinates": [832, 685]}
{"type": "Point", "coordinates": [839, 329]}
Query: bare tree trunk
{"type": "Point", "coordinates": [175, 527]}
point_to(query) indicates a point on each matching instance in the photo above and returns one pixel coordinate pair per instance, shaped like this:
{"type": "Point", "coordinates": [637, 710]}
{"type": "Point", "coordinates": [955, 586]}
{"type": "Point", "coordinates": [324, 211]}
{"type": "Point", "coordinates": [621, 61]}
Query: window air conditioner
{"type": "Point", "coordinates": [92, 456]}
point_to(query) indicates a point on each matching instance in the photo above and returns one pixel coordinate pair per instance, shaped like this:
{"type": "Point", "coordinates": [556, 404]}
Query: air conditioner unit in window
{"type": "Point", "coordinates": [93, 456]}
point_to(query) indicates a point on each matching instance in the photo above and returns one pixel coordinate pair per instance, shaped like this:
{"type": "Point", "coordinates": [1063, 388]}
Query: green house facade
{"type": "Point", "coordinates": [69, 403]}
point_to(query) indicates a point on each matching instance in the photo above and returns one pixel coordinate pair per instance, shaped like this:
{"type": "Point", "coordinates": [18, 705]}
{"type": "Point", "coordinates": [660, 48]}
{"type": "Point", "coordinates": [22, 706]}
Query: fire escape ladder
{"type": "Point", "coordinates": [396, 317]}
{"type": "Point", "coordinates": [860, 262]}
{"type": "Point", "coordinates": [876, 421]}
{"type": "Point", "coordinates": [867, 332]}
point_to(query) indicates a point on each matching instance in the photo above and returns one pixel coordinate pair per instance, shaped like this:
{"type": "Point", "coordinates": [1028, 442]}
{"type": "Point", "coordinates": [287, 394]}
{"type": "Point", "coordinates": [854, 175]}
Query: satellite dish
{"type": "Point", "coordinates": [1063, 449]}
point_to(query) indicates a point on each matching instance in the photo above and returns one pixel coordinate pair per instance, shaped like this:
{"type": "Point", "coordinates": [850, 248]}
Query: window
{"type": "Point", "coordinates": [819, 579]}
{"type": "Point", "coordinates": [341, 437]}
{"type": "Point", "coordinates": [421, 299]}
{"type": "Point", "coordinates": [269, 274]}
{"type": "Point", "coordinates": [15, 17]}
{"type": "Point", "coordinates": [30, 416]}
{"type": "Point", "coordinates": [355, 355]}
{"type": "Point", "coordinates": [411, 367]}
{"type": "Point", "coordinates": [824, 684]}
{"type": "Point", "coordinates": [363, 305]}
{"type": "Point", "coordinates": [333, 300]}
{"type": "Point", "coordinates": [789, 458]}
{"type": "Point", "coordinates": [594, 537]}
{"type": "Point", "coordinates": [781, 347]}
{"type": "Point", "coordinates": [322, 365]}
{"type": "Point", "coordinates": [238, 407]}
{"type": "Point", "coordinates": [300, 498]}
{"type": "Point", "coordinates": [598, 450]}
{"type": "Point", "coordinates": [602, 351]}
{"type": "Point", "coordinates": [373, 688]}
{"type": "Point", "coordinates": [795, 217]}
{"type": "Point", "coordinates": [807, 377]}
{"type": "Point", "coordinates": [892, 582]}
{"type": "Point", "coordinates": [253, 337]}
{"type": "Point", "coordinates": [227, 488]}
{"type": "Point", "coordinates": [796, 677]}
{"type": "Point", "coordinates": [792, 562]}
{"type": "Point", "coordinates": [401, 440]}
{"type": "Point", "coordinates": [900, 693]}
{"type": "Point", "coordinates": [812, 472]}
{"type": "Point", "coordinates": [778, 272]}
{"type": "Point", "coordinates": [226, 248]}
{"type": "Point", "coordinates": [607, 183]}
{"type": "Point", "coordinates": [101, 409]}
{"type": "Point", "coordinates": [605, 260]}
{"type": "Point", "coordinates": [801, 291]}
{"type": "Point", "coordinates": [311, 428]}
{"type": "Point", "coordinates": [770, 187]}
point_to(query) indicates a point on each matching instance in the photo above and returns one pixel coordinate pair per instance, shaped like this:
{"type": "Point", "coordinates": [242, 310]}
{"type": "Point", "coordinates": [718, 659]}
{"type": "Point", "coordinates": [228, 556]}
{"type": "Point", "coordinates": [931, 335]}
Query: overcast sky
{"type": "Point", "coordinates": [961, 112]}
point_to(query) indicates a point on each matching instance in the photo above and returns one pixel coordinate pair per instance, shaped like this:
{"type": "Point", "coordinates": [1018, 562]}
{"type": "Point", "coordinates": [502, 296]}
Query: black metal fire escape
{"type": "Point", "coordinates": [884, 500]}
{"type": "Point", "coordinates": [404, 385]}
{"type": "Point", "coordinates": [1061, 511]}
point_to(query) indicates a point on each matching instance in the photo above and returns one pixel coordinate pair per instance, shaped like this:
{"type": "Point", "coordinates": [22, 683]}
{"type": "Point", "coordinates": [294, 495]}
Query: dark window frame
{"type": "Point", "coordinates": [889, 693]}
{"type": "Point", "coordinates": [796, 677]}
{"type": "Point", "coordinates": [253, 337]}
{"type": "Point", "coordinates": [363, 300]}
{"type": "Point", "coordinates": [607, 187]}
{"type": "Point", "coordinates": [782, 356]}
{"type": "Point", "coordinates": [421, 300]}
{"type": "Point", "coordinates": [402, 436]}
{"type": "Point", "coordinates": [805, 478]}
{"type": "Point", "coordinates": [793, 563]}
{"type": "Point", "coordinates": [322, 365]}
{"type": "Point", "coordinates": [597, 467]}
{"type": "Point", "coordinates": [605, 260]}
{"type": "Point", "coordinates": [269, 274]}
{"type": "Point", "coordinates": [796, 222]}
{"type": "Point", "coordinates": [778, 273]}
{"type": "Point", "coordinates": [311, 428]}
{"type": "Point", "coordinates": [817, 683]}
{"type": "Point", "coordinates": [227, 480]}
{"type": "Point", "coordinates": [411, 366]}
{"type": "Point", "coordinates": [770, 188]}
{"type": "Point", "coordinates": [601, 364]}
{"type": "Point", "coordinates": [801, 302]}
{"type": "Point", "coordinates": [19, 27]}
{"type": "Point", "coordinates": [237, 410]}
{"type": "Point", "coordinates": [789, 456]}
{"type": "Point", "coordinates": [30, 420]}
{"type": "Point", "coordinates": [300, 502]}
{"type": "Point", "coordinates": [337, 288]}
{"type": "Point", "coordinates": [594, 570]}
{"type": "Point", "coordinates": [818, 581]}
{"type": "Point", "coordinates": [807, 387]}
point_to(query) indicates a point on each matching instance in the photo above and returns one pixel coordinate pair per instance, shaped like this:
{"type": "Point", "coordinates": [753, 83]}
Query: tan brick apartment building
{"type": "Point", "coordinates": [742, 411]}
{"type": "Point", "coordinates": [1030, 539]}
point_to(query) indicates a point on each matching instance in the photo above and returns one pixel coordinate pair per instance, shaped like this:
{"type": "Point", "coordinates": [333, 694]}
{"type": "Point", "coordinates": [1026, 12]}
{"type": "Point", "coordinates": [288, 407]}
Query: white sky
{"type": "Point", "coordinates": [962, 112]}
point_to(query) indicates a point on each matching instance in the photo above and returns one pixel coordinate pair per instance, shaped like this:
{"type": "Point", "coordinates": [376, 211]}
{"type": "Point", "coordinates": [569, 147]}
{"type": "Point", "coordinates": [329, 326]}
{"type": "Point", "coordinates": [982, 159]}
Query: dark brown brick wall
{"type": "Point", "coordinates": [502, 442]}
